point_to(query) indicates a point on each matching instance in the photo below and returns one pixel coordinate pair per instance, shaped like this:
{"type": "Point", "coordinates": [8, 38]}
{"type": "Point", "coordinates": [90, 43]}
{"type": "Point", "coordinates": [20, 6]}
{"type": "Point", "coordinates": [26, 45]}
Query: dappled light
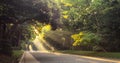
{"type": "Point", "coordinates": [45, 29]}
{"type": "Point", "coordinates": [60, 31]}
{"type": "Point", "coordinates": [39, 44]}
{"type": "Point", "coordinates": [43, 57]}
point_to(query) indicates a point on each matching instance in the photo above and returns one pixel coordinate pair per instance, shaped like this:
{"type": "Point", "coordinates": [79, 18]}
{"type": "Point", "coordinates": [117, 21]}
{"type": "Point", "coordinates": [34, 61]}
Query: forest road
{"type": "Point", "coordinates": [50, 57]}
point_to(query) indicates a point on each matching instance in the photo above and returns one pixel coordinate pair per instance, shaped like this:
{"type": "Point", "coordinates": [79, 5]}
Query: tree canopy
{"type": "Point", "coordinates": [100, 17]}
{"type": "Point", "coordinates": [18, 18]}
{"type": "Point", "coordinates": [99, 20]}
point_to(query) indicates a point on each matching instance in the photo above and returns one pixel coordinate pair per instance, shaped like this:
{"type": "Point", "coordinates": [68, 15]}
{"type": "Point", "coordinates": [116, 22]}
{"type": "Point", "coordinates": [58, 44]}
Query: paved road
{"type": "Point", "coordinates": [47, 57]}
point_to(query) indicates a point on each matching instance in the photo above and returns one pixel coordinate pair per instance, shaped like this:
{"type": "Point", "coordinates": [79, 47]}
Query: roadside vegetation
{"type": "Point", "coordinates": [18, 23]}
{"type": "Point", "coordinates": [15, 58]}
{"type": "Point", "coordinates": [78, 25]}
{"type": "Point", "coordinates": [109, 55]}
{"type": "Point", "coordinates": [88, 25]}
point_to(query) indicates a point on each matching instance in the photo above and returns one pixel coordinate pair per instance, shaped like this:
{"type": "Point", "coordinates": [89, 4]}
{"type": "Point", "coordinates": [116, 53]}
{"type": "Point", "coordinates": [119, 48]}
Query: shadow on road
{"type": "Point", "coordinates": [44, 57]}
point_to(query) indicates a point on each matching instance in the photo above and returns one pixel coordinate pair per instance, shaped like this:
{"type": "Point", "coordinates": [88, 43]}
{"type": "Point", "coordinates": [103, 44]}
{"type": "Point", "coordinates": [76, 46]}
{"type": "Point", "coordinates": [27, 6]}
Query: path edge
{"type": "Point", "coordinates": [22, 57]}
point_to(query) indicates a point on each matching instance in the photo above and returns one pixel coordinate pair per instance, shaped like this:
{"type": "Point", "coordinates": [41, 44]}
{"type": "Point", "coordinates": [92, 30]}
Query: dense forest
{"type": "Point", "coordinates": [101, 18]}
{"type": "Point", "coordinates": [75, 24]}
{"type": "Point", "coordinates": [92, 25]}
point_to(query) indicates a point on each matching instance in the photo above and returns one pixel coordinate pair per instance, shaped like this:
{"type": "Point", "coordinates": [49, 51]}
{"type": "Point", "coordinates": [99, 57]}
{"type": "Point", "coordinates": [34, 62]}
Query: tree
{"type": "Point", "coordinates": [87, 38]}
{"type": "Point", "coordinates": [17, 15]}
{"type": "Point", "coordinates": [97, 16]}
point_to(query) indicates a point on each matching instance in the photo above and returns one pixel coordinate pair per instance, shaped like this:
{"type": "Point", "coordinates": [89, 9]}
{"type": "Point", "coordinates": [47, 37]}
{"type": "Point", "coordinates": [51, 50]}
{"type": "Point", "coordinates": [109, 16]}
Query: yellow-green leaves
{"type": "Point", "coordinates": [67, 4]}
{"type": "Point", "coordinates": [84, 38]}
{"type": "Point", "coordinates": [77, 38]}
{"type": "Point", "coordinates": [46, 28]}
{"type": "Point", "coordinates": [65, 12]}
{"type": "Point", "coordinates": [65, 16]}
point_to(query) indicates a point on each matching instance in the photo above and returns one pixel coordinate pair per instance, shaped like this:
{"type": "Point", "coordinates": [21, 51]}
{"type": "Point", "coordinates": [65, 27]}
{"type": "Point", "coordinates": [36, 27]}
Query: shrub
{"type": "Point", "coordinates": [86, 38]}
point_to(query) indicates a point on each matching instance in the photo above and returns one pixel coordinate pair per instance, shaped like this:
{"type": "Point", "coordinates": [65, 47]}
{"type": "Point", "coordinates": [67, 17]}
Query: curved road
{"type": "Point", "coordinates": [49, 57]}
{"type": "Point", "coordinates": [33, 56]}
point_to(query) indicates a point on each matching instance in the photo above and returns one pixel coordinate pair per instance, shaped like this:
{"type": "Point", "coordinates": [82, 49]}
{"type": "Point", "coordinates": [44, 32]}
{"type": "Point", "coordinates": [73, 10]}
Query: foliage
{"type": "Point", "coordinates": [28, 32]}
{"type": "Point", "coordinates": [20, 19]}
{"type": "Point", "coordinates": [85, 38]}
{"type": "Point", "coordinates": [59, 39]}
{"type": "Point", "coordinates": [46, 28]}
{"type": "Point", "coordinates": [17, 53]}
{"type": "Point", "coordinates": [100, 17]}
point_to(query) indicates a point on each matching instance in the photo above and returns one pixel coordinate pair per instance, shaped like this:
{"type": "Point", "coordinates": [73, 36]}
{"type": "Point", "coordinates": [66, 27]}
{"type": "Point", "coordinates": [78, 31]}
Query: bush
{"type": "Point", "coordinates": [97, 49]}
{"type": "Point", "coordinates": [86, 39]}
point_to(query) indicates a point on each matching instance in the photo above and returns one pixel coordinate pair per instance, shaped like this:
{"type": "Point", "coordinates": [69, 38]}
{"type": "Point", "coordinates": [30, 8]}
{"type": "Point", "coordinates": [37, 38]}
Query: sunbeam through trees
{"type": "Point", "coordinates": [85, 25]}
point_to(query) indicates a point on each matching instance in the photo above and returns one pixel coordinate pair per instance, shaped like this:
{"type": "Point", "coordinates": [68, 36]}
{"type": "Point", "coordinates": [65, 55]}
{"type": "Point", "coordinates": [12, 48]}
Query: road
{"type": "Point", "coordinates": [49, 57]}
{"type": "Point", "coordinates": [38, 54]}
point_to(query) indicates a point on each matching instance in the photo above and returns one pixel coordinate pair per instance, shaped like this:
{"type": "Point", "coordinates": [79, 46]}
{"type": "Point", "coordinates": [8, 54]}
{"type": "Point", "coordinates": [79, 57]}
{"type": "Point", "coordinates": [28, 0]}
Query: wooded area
{"type": "Point", "coordinates": [93, 25]}
{"type": "Point", "coordinates": [76, 24]}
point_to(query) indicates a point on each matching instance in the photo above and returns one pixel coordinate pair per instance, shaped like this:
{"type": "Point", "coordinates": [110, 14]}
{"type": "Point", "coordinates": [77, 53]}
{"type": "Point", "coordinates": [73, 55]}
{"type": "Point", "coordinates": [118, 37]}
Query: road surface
{"type": "Point", "coordinates": [49, 57]}
{"type": "Point", "coordinates": [35, 56]}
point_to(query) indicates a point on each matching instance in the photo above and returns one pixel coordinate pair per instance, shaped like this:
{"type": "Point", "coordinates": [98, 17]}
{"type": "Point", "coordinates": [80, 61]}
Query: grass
{"type": "Point", "coordinates": [111, 55]}
{"type": "Point", "coordinates": [11, 59]}
{"type": "Point", "coordinates": [17, 53]}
